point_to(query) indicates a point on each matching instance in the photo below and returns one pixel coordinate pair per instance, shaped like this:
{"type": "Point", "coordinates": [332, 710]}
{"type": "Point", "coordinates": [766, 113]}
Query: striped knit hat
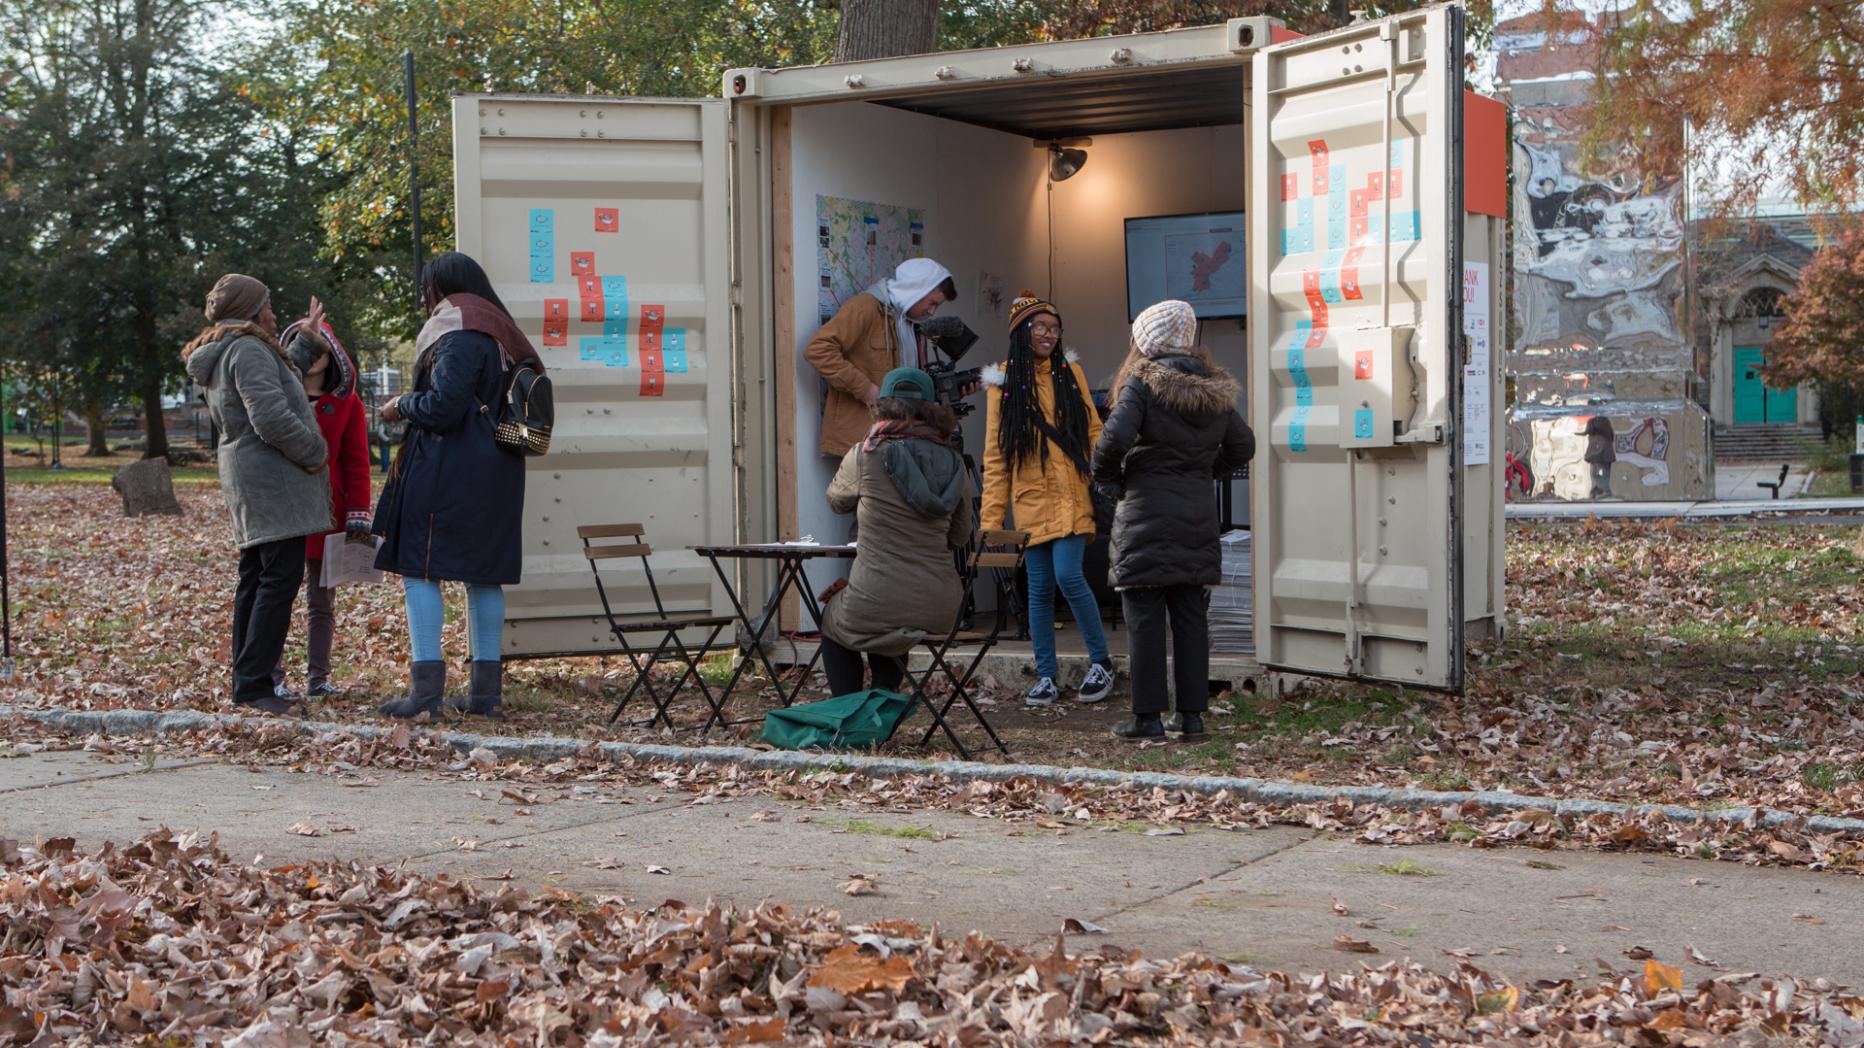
{"type": "Point", "coordinates": [1168, 327]}
{"type": "Point", "coordinates": [1027, 305]}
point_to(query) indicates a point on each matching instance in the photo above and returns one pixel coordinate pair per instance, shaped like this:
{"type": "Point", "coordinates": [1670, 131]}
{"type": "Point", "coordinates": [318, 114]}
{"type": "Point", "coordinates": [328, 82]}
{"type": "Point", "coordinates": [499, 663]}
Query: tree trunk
{"type": "Point", "coordinates": [98, 426]}
{"type": "Point", "coordinates": [156, 427]}
{"type": "Point", "coordinates": [886, 28]}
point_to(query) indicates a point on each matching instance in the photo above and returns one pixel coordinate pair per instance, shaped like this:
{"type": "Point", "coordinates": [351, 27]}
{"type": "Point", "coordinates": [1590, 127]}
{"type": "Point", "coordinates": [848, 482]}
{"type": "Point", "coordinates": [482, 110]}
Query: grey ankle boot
{"type": "Point", "coordinates": [426, 694]}
{"type": "Point", "coordinates": [485, 696]}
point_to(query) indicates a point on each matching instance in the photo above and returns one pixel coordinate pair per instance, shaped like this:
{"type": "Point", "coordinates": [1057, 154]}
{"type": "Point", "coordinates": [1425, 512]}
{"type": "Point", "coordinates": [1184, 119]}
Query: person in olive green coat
{"type": "Point", "coordinates": [909, 488]}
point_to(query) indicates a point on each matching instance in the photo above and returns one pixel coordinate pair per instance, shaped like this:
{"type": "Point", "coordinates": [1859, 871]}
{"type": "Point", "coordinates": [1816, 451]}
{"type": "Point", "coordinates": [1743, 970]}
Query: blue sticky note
{"type": "Point", "coordinates": [1362, 424]}
{"type": "Point", "coordinates": [543, 245]}
{"type": "Point", "coordinates": [614, 288]}
{"type": "Point", "coordinates": [1297, 429]}
{"type": "Point", "coordinates": [615, 327]}
{"type": "Point", "coordinates": [589, 348]}
{"type": "Point", "coordinates": [615, 358]}
{"type": "Point", "coordinates": [1330, 277]}
{"type": "Point", "coordinates": [673, 350]}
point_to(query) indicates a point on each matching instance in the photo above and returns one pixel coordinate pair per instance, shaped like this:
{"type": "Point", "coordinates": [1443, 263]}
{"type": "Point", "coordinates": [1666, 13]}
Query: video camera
{"type": "Point", "coordinates": [952, 338]}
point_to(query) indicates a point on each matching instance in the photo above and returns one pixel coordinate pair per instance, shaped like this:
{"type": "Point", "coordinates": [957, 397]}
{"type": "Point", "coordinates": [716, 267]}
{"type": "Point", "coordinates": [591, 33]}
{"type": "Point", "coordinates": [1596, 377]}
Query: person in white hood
{"type": "Point", "coordinates": [873, 333]}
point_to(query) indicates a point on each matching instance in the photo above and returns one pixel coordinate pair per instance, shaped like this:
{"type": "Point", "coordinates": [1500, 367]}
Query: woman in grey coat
{"type": "Point", "coordinates": [271, 471]}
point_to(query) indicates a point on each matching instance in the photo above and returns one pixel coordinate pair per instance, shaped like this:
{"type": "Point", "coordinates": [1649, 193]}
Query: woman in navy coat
{"type": "Point", "coordinates": [452, 508]}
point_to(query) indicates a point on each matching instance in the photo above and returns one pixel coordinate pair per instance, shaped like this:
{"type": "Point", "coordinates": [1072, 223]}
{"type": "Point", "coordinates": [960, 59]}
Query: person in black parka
{"type": "Point", "coordinates": [1172, 431]}
{"type": "Point", "coordinates": [452, 507]}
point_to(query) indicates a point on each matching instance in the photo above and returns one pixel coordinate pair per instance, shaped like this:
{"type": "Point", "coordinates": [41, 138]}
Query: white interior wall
{"type": "Point", "coordinates": [978, 189]}
{"type": "Point", "coordinates": [1136, 176]}
{"type": "Point", "coordinates": [984, 194]}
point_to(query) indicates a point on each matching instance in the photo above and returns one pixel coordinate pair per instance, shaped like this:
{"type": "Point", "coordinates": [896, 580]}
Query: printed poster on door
{"type": "Point", "coordinates": [1476, 406]}
{"type": "Point", "coordinates": [858, 244]}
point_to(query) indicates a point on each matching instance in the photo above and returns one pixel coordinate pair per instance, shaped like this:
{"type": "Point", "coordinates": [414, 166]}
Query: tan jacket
{"type": "Point", "coordinates": [1049, 501]}
{"type": "Point", "coordinates": [904, 585]}
{"type": "Point", "coordinates": [853, 351]}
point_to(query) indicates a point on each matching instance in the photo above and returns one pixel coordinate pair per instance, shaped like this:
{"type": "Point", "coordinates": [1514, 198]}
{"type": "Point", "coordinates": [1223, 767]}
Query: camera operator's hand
{"type": "Point", "coordinates": [971, 388]}
{"type": "Point", "coordinates": [872, 395]}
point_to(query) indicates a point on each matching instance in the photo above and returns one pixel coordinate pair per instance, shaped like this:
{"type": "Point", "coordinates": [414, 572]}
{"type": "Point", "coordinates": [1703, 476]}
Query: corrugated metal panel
{"type": "Point", "coordinates": [639, 188]}
{"type": "Point", "coordinates": [1356, 370]}
{"type": "Point", "coordinates": [1094, 105]}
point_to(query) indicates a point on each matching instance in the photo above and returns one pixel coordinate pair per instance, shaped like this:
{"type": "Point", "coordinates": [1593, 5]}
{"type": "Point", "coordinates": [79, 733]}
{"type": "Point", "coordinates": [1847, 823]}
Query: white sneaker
{"type": "Point", "coordinates": [1042, 694]}
{"type": "Point", "coordinates": [1097, 685]}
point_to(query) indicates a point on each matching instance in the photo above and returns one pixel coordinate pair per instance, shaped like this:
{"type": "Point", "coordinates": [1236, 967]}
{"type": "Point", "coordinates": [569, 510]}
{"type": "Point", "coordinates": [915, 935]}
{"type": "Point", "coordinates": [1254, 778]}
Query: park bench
{"type": "Point", "coordinates": [1775, 486]}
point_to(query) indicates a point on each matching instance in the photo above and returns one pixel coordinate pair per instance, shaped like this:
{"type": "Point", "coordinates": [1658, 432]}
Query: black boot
{"type": "Point", "coordinates": [1191, 727]}
{"type": "Point", "coordinates": [1140, 726]}
{"type": "Point", "coordinates": [426, 694]}
{"type": "Point", "coordinates": [484, 697]}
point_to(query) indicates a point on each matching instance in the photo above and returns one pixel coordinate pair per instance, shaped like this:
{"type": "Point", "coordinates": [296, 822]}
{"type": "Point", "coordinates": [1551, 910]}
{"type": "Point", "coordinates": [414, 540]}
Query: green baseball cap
{"type": "Point", "coordinates": [907, 384]}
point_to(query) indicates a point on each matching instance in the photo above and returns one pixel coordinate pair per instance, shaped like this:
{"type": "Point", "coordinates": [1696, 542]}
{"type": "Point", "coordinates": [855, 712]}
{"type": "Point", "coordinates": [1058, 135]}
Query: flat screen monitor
{"type": "Point", "coordinates": [1193, 258]}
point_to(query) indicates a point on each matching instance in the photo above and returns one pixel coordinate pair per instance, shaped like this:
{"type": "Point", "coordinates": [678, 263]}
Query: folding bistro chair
{"type": "Point", "coordinates": [667, 627]}
{"type": "Point", "coordinates": [1000, 552]}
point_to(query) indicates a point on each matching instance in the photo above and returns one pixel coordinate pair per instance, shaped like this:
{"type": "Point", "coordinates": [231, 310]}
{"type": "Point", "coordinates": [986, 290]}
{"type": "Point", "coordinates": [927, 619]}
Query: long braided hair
{"type": "Point", "coordinates": [1018, 436]}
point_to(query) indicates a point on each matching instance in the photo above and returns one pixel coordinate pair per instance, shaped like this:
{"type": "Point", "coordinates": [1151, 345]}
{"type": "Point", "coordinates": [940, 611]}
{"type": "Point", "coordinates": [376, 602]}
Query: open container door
{"type": "Point", "coordinates": [1355, 307]}
{"type": "Point", "coordinates": [604, 226]}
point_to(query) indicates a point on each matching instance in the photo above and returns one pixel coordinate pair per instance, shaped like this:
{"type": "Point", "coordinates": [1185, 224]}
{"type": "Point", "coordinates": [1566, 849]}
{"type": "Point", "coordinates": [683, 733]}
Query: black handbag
{"type": "Point", "coordinates": [527, 409]}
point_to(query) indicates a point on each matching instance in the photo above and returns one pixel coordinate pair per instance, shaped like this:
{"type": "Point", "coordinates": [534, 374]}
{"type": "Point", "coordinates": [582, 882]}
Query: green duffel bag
{"type": "Point", "coordinates": [856, 721]}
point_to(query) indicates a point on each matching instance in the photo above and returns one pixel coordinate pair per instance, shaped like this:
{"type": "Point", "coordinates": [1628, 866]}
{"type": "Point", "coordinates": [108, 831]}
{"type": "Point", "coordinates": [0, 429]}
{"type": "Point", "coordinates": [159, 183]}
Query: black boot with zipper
{"type": "Point", "coordinates": [426, 694]}
{"type": "Point", "coordinates": [485, 693]}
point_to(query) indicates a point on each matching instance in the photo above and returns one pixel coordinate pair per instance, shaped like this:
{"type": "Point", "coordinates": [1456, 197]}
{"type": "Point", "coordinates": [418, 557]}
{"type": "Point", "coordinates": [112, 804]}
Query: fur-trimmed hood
{"type": "Point", "coordinates": [1187, 385]}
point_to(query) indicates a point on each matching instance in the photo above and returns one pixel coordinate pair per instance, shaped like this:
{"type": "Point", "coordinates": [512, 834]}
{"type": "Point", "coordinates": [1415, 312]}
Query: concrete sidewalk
{"type": "Point", "coordinates": [1263, 897]}
{"type": "Point", "coordinates": [1691, 510]}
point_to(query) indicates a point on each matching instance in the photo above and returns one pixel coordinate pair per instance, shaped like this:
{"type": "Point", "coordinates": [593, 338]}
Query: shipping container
{"type": "Point", "coordinates": [673, 257]}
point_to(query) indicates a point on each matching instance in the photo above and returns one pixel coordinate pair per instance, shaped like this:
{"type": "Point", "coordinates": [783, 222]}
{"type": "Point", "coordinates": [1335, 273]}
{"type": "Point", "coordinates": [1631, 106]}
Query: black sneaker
{"type": "Point", "coordinates": [1140, 726]}
{"type": "Point", "coordinates": [1042, 694]}
{"type": "Point", "coordinates": [269, 704]}
{"type": "Point", "coordinates": [323, 689]}
{"type": "Point", "coordinates": [1191, 727]}
{"type": "Point", "coordinates": [1097, 685]}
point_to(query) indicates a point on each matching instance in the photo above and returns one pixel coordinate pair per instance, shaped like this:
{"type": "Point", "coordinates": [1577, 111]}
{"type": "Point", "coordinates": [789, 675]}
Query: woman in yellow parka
{"type": "Point", "coordinates": [1041, 428]}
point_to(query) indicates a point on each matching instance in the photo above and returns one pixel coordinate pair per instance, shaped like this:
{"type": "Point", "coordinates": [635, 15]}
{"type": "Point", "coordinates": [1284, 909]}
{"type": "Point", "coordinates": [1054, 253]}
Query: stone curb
{"type": "Point", "coordinates": [1259, 791]}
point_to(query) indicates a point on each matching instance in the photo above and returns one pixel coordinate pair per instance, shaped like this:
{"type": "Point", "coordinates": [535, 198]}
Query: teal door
{"type": "Point", "coordinates": [1757, 403]}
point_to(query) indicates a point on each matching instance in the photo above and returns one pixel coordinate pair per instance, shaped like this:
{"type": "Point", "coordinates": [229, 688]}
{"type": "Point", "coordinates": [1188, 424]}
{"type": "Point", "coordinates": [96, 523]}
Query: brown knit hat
{"type": "Point", "coordinates": [1027, 305]}
{"type": "Point", "coordinates": [236, 297]}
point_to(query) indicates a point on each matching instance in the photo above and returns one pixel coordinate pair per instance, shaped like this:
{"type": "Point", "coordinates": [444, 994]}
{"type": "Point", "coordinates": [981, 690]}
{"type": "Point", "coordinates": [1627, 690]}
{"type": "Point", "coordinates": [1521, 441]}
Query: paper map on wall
{"type": "Point", "coordinates": [859, 243]}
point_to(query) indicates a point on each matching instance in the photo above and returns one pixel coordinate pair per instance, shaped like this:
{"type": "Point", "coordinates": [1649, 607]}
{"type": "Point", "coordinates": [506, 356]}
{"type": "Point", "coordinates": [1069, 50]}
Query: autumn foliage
{"type": "Point", "coordinates": [1772, 90]}
{"type": "Point", "coordinates": [1823, 338]}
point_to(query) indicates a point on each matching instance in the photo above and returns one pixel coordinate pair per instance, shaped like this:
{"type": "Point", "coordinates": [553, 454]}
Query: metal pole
{"type": "Point", "coordinates": [6, 596]}
{"type": "Point", "coordinates": [414, 181]}
{"type": "Point", "coordinates": [58, 390]}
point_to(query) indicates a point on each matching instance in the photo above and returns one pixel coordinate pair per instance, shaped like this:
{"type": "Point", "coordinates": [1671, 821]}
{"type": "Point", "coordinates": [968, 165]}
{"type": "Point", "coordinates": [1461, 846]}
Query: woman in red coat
{"type": "Point", "coordinates": [330, 382]}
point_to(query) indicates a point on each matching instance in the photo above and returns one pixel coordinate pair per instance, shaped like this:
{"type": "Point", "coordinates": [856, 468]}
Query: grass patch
{"type": "Point", "coordinates": [875, 829]}
{"type": "Point", "coordinates": [1401, 868]}
{"type": "Point", "coordinates": [1827, 775]}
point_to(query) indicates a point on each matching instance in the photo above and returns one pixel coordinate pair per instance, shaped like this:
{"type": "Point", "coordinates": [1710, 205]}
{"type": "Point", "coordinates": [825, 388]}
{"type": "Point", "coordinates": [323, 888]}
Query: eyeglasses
{"type": "Point", "coordinates": [1045, 329]}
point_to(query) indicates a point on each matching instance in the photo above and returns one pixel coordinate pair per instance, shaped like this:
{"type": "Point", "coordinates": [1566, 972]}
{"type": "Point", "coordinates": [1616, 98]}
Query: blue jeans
{"type": "Point", "coordinates": [1060, 562]}
{"type": "Point", "coordinates": [485, 614]}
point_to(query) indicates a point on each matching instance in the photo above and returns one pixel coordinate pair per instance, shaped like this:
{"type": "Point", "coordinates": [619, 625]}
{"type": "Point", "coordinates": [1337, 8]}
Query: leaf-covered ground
{"type": "Point", "coordinates": [1705, 665]}
{"type": "Point", "coordinates": [165, 941]}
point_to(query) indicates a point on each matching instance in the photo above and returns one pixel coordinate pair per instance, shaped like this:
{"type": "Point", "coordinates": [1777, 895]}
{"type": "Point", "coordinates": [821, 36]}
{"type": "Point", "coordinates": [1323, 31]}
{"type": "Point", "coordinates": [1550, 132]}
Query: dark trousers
{"type": "Point", "coordinates": [846, 675]}
{"type": "Point", "coordinates": [320, 627]}
{"type": "Point", "coordinates": [269, 576]}
{"type": "Point", "coordinates": [1184, 611]}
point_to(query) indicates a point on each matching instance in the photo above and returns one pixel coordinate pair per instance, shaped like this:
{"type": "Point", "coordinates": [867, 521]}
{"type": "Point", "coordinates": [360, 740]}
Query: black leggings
{"type": "Point", "coordinates": [846, 675]}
